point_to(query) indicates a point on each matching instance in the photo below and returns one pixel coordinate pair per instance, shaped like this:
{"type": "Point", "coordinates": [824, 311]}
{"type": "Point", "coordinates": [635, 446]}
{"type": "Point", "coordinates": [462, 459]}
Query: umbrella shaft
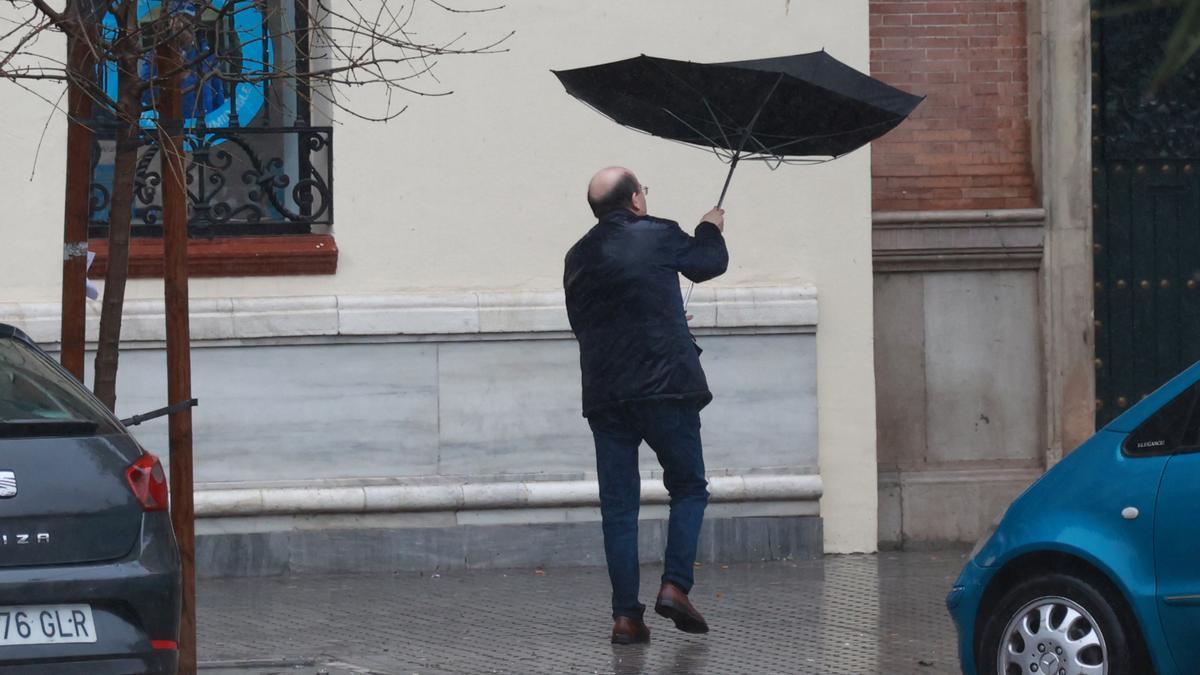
{"type": "Point", "coordinates": [745, 137]}
{"type": "Point", "coordinates": [728, 178]}
{"type": "Point", "coordinates": [732, 165]}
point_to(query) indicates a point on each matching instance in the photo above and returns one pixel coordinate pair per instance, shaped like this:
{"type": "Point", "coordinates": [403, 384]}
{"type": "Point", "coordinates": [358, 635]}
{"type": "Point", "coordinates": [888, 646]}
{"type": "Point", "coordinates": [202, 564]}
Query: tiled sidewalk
{"type": "Point", "coordinates": [842, 614]}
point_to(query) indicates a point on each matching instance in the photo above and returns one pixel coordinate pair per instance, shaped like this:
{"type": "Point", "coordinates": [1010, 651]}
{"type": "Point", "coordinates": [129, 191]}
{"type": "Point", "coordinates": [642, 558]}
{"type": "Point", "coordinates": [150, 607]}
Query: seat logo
{"type": "Point", "coordinates": [8, 484]}
{"type": "Point", "coordinates": [23, 539]}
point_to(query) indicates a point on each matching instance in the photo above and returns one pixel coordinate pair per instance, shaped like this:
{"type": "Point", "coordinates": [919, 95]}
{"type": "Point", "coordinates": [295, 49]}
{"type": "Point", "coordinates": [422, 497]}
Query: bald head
{"type": "Point", "coordinates": [614, 188]}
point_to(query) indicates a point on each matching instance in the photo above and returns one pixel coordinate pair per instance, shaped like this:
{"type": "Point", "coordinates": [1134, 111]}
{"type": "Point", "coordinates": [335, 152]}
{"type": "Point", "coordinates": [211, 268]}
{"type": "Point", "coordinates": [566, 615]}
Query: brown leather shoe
{"type": "Point", "coordinates": [674, 604]}
{"type": "Point", "coordinates": [629, 631]}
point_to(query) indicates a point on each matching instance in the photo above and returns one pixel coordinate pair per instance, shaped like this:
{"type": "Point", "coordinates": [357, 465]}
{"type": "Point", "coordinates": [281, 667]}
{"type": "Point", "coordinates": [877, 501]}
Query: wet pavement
{"type": "Point", "coordinates": [841, 614]}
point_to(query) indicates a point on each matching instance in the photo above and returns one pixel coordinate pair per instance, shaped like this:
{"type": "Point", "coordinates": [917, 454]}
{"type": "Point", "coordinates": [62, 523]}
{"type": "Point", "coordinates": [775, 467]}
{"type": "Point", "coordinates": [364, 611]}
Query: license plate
{"type": "Point", "coordinates": [46, 624]}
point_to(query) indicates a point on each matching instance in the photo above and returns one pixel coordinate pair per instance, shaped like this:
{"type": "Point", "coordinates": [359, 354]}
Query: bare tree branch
{"type": "Point", "coordinates": [27, 74]}
{"type": "Point", "coordinates": [42, 138]}
{"type": "Point", "coordinates": [308, 55]}
{"type": "Point", "coordinates": [467, 11]}
{"type": "Point", "coordinates": [50, 13]}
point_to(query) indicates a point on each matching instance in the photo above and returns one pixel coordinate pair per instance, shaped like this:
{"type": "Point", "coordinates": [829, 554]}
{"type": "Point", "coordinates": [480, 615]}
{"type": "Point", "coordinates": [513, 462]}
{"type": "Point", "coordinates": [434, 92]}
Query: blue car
{"type": "Point", "coordinates": [1095, 569]}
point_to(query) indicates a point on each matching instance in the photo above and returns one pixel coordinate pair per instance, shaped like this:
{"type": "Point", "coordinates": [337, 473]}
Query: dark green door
{"type": "Point", "coordinates": [1146, 183]}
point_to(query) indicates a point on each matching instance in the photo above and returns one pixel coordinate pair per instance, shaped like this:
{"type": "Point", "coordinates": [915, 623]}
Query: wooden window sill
{"type": "Point", "coordinates": [308, 254]}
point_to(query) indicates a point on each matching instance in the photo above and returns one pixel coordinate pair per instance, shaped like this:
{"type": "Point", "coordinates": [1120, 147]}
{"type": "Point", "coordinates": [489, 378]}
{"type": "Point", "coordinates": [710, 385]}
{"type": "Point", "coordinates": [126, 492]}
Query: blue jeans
{"type": "Point", "coordinates": [672, 429]}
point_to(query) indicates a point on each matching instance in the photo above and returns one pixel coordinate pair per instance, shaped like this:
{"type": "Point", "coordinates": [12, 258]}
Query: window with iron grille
{"type": "Point", "coordinates": [257, 165]}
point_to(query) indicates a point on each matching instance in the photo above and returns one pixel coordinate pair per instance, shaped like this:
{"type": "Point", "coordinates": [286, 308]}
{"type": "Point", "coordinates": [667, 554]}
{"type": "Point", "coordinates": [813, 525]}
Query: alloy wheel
{"type": "Point", "coordinates": [1052, 636]}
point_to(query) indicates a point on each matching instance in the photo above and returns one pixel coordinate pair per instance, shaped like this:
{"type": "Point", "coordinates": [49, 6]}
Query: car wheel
{"type": "Point", "coordinates": [1057, 624]}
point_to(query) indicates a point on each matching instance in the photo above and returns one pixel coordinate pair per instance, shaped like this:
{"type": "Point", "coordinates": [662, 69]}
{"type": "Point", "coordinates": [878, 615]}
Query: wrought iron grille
{"type": "Point", "coordinates": [256, 164]}
{"type": "Point", "coordinates": [240, 181]}
{"type": "Point", "coordinates": [1130, 125]}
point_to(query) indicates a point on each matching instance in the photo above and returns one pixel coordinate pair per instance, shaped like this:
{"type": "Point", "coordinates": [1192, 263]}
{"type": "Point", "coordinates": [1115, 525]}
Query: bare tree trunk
{"type": "Point", "coordinates": [119, 220]}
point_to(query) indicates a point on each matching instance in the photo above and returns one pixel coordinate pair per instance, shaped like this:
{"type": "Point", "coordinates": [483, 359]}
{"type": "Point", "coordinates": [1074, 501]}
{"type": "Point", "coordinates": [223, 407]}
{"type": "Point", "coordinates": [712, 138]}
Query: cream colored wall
{"type": "Point", "coordinates": [484, 190]}
{"type": "Point", "coordinates": [31, 191]}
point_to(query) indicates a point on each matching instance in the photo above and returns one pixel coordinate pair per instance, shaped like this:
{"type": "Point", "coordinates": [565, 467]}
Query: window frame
{"type": "Point", "coordinates": [1174, 445]}
{"type": "Point", "coordinates": [245, 256]}
{"type": "Point", "coordinates": [299, 242]}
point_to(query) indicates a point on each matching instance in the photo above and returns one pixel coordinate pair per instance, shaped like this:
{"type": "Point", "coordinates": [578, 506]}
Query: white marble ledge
{"type": "Point", "coordinates": [461, 313]}
{"type": "Point", "coordinates": [467, 496]}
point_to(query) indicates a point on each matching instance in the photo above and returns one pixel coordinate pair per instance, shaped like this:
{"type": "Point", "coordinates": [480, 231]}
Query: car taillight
{"type": "Point", "coordinates": [148, 482]}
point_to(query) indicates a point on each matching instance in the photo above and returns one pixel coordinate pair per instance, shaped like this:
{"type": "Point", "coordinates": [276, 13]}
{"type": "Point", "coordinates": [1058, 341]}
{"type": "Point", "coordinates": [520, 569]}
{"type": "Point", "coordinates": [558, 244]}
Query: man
{"type": "Point", "coordinates": [642, 380]}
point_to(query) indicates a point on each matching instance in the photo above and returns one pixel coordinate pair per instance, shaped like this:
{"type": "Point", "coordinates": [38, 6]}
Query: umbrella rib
{"type": "Point", "coordinates": [696, 131]}
{"type": "Point", "coordinates": [711, 148]}
{"type": "Point", "coordinates": [713, 115]}
{"type": "Point", "coordinates": [764, 150]}
{"type": "Point", "coordinates": [775, 148]}
{"type": "Point", "coordinates": [747, 134]}
{"type": "Point", "coordinates": [696, 91]}
{"type": "Point", "coordinates": [633, 128]}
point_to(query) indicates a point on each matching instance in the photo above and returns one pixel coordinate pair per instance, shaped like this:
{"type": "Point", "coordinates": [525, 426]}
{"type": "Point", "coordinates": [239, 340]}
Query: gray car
{"type": "Point", "coordinates": [89, 569]}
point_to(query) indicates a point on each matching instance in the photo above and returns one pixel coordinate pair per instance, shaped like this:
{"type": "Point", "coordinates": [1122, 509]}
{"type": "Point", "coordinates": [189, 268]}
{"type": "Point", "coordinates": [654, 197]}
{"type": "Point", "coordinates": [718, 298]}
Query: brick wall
{"type": "Point", "coordinates": [967, 146]}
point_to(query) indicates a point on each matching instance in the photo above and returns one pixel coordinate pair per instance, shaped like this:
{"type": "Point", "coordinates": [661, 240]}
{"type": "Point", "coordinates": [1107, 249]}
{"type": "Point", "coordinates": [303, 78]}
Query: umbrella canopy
{"type": "Point", "coordinates": [803, 106]}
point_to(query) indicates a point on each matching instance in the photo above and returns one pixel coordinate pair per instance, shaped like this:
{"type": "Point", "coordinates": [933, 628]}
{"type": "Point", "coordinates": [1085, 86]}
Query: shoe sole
{"type": "Point", "coordinates": [683, 621]}
{"type": "Point", "coordinates": [627, 640]}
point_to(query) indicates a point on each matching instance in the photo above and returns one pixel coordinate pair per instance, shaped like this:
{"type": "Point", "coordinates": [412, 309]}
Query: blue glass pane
{"type": "Point", "coordinates": [247, 47]}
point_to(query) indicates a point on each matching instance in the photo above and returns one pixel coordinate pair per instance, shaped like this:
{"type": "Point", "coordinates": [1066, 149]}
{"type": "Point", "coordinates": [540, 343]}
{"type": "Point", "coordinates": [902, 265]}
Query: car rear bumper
{"type": "Point", "coordinates": [157, 662]}
{"type": "Point", "coordinates": [134, 601]}
{"type": "Point", "coordinates": [963, 604]}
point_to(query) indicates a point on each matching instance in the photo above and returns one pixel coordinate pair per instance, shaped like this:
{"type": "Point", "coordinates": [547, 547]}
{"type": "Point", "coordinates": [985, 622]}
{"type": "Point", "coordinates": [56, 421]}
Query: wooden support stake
{"type": "Point", "coordinates": [179, 363]}
{"type": "Point", "coordinates": [80, 65]}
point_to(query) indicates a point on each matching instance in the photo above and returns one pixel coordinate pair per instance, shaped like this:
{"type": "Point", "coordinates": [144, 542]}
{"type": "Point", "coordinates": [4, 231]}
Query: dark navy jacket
{"type": "Point", "coordinates": [624, 303]}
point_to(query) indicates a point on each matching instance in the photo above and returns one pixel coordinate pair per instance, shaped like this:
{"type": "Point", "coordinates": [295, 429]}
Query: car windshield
{"type": "Point", "coordinates": [37, 398]}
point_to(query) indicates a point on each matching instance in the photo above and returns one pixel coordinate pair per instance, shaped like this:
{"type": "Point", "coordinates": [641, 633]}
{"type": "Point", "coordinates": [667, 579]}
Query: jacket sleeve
{"type": "Point", "coordinates": [701, 257]}
{"type": "Point", "coordinates": [568, 295]}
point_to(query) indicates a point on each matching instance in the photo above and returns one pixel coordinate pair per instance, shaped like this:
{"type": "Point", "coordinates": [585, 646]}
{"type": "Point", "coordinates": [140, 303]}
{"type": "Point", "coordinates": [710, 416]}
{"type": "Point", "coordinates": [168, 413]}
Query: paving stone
{"type": "Point", "coordinates": [839, 614]}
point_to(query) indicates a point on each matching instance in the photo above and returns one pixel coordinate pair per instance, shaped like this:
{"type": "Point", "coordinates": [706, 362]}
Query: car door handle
{"type": "Point", "coordinates": [1129, 512]}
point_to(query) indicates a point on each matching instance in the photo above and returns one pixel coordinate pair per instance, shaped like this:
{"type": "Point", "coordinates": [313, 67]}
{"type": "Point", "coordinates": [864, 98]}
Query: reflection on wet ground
{"type": "Point", "coordinates": [842, 614]}
{"type": "Point", "coordinates": [687, 656]}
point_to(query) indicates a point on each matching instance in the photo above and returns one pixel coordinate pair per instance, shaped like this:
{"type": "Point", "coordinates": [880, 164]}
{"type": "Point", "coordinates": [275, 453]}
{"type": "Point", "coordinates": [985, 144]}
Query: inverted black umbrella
{"type": "Point", "coordinates": [804, 108]}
